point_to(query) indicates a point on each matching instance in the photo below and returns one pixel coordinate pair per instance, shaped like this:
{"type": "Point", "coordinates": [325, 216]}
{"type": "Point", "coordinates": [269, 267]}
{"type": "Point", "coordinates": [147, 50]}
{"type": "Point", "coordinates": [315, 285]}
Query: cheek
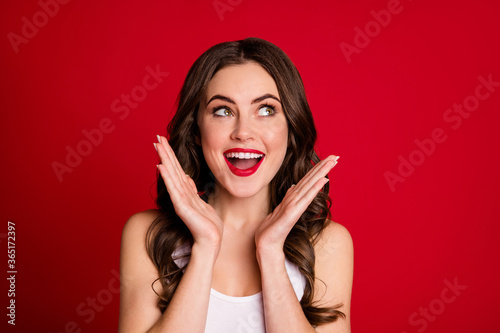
{"type": "Point", "coordinates": [213, 138]}
{"type": "Point", "coordinates": [276, 136]}
{"type": "Point", "coordinates": [209, 143]}
{"type": "Point", "coordinates": [209, 134]}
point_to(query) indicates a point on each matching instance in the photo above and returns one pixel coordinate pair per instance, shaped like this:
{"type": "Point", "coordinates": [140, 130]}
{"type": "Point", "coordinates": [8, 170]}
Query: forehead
{"type": "Point", "coordinates": [242, 82]}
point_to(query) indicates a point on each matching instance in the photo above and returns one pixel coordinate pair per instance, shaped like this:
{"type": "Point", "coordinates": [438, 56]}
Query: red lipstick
{"type": "Point", "coordinates": [243, 172]}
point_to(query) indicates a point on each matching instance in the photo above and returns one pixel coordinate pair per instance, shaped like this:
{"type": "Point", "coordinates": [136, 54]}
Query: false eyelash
{"type": "Point", "coordinates": [268, 106]}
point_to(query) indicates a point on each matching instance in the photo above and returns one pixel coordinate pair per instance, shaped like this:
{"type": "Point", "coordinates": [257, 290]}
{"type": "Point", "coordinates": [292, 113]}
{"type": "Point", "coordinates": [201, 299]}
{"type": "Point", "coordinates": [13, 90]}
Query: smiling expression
{"type": "Point", "coordinates": [243, 129]}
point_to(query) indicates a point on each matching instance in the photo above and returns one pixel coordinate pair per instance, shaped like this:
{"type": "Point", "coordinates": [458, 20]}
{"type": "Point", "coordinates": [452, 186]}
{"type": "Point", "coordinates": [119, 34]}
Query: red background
{"type": "Point", "coordinates": [440, 223]}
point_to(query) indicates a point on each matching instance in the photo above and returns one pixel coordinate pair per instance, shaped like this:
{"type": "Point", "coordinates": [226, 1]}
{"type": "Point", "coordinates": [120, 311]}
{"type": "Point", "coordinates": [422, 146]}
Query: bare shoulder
{"type": "Point", "coordinates": [138, 311]}
{"type": "Point", "coordinates": [334, 273]}
{"type": "Point", "coordinates": [134, 259]}
{"type": "Point", "coordinates": [140, 222]}
{"type": "Point", "coordinates": [334, 236]}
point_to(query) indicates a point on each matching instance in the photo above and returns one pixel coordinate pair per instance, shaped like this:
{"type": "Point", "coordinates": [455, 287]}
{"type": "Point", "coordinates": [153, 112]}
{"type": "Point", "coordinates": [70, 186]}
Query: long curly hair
{"type": "Point", "coordinates": [168, 232]}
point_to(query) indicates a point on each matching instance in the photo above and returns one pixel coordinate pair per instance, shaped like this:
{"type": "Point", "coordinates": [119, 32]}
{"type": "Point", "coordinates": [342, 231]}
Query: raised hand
{"type": "Point", "coordinates": [201, 219]}
{"type": "Point", "coordinates": [271, 234]}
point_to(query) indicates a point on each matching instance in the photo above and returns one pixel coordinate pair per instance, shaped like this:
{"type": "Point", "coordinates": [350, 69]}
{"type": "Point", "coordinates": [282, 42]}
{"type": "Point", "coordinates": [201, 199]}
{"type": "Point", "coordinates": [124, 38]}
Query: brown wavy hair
{"type": "Point", "coordinates": [168, 232]}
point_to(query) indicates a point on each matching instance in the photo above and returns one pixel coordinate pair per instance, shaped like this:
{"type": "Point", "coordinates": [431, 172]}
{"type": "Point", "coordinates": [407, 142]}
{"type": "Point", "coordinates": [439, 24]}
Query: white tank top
{"type": "Point", "coordinates": [228, 314]}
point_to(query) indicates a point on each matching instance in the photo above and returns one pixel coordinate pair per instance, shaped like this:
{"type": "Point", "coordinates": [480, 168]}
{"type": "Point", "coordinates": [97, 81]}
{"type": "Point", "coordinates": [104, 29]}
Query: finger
{"type": "Point", "coordinates": [320, 170]}
{"type": "Point", "coordinates": [192, 184]}
{"type": "Point", "coordinates": [171, 182]}
{"type": "Point", "coordinates": [320, 167]}
{"type": "Point", "coordinates": [293, 207]}
{"type": "Point", "coordinates": [305, 200]}
{"type": "Point", "coordinates": [168, 165]}
{"type": "Point", "coordinates": [169, 152]}
{"type": "Point", "coordinates": [315, 169]}
{"type": "Point", "coordinates": [179, 185]}
{"type": "Point", "coordinates": [172, 163]}
{"type": "Point", "coordinates": [185, 203]}
{"type": "Point", "coordinates": [182, 181]}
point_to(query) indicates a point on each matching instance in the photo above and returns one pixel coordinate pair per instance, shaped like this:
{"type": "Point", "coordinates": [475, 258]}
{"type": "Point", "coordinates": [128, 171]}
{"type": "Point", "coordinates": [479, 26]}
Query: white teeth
{"type": "Point", "coordinates": [245, 156]}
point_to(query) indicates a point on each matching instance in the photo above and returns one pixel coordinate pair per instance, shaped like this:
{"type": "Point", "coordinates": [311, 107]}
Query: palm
{"type": "Point", "coordinates": [276, 226]}
{"type": "Point", "coordinates": [201, 219]}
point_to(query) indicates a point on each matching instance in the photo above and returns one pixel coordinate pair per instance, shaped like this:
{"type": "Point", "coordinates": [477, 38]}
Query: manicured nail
{"type": "Point", "coordinates": [154, 144]}
{"type": "Point", "coordinates": [159, 139]}
{"type": "Point", "coordinates": [333, 162]}
{"type": "Point", "coordinates": [157, 166]}
{"type": "Point", "coordinates": [336, 158]}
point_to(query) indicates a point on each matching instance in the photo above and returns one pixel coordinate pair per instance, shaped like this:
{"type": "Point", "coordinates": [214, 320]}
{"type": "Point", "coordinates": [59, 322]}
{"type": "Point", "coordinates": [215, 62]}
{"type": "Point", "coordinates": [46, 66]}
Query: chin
{"type": "Point", "coordinates": [247, 192]}
{"type": "Point", "coordinates": [244, 189]}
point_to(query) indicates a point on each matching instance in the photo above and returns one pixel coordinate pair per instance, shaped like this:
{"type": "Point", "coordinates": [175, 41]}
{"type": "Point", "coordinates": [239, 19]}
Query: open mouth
{"type": "Point", "coordinates": [243, 162]}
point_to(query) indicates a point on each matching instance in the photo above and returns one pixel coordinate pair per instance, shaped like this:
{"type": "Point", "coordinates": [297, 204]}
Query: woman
{"type": "Point", "coordinates": [241, 240]}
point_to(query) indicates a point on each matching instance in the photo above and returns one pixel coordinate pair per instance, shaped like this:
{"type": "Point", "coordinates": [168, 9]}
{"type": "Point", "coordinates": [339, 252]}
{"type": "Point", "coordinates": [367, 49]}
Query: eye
{"type": "Point", "coordinates": [266, 110]}
{"type": "Point", "coordinates": [222, 112]}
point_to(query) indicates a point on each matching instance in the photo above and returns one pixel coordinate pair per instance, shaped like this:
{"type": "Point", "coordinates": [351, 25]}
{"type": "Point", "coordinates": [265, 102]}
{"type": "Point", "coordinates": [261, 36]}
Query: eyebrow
{"type": "Point", "coordinates": [229, 100]}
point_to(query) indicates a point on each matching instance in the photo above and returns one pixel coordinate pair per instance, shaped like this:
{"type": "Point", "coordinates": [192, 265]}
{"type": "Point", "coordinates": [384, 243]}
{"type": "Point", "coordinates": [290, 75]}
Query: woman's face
{"type": "Point", "coordinates": [243, 129]}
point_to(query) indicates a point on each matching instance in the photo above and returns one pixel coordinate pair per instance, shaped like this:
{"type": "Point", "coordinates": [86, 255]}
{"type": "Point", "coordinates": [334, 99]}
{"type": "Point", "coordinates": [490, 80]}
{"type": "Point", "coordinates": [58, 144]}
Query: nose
{"type": "Point", "coordinates": [243, 130]}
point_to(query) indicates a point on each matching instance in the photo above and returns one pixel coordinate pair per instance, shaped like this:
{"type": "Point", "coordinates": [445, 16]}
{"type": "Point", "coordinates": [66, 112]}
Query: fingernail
{"type": "Point", "coordinates": [157, 166]}
{"type": "Point", "coordinates": [159, 139]}
{"type": "Point", "coordinates": [336, 158]}
{"type": "Point", "coordinates": [154, 144]}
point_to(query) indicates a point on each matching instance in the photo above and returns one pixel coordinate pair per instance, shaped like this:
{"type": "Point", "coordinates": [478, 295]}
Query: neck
{"type": "Point", "coordinates": [240, 213]}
